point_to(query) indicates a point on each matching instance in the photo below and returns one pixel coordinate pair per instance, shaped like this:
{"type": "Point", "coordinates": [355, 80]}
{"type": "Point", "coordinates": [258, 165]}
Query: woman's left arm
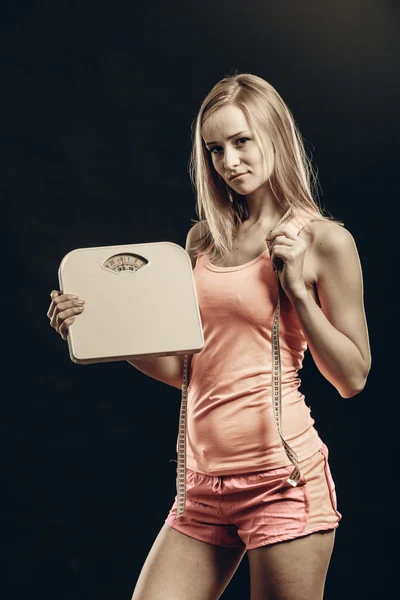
{"type": "Point", "coordinates": [337, 335]}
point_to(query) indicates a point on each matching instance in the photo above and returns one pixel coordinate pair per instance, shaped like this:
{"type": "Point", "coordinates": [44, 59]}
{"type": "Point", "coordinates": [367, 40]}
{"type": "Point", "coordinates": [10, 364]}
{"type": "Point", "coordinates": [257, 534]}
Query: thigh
{"type": "Point", "coordinates": [291, 570]}
{"type": "Point", "coordinates": [179, 567]}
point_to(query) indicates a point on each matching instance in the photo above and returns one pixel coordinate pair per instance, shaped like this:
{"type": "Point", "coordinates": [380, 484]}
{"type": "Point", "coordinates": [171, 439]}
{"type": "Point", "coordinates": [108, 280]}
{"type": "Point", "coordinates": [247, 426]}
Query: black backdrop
{"type": "Point", "coordinates": [97, 106]}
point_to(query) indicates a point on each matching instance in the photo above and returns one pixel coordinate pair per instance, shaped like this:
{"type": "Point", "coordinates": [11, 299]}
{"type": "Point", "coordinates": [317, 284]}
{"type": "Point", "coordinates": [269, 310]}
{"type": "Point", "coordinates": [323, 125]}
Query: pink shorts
{"type": "Point", "coordinates": [256, 509]}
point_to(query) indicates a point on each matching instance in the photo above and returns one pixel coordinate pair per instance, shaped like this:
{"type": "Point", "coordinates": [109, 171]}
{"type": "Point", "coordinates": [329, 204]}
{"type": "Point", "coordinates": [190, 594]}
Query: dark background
{"type": "Point", "coordinates": [97, 106]}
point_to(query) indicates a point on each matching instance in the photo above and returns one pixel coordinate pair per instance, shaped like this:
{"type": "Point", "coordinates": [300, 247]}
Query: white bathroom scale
{"type": "Point", "coordinates": [140, 301]}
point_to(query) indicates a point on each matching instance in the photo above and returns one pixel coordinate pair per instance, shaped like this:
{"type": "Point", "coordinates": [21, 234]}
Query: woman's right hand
{"type": "Point", "coordinates": [63, 310]}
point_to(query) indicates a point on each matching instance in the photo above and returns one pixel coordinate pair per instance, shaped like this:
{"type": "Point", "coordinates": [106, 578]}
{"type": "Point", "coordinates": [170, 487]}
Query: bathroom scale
{"type": "Point", "coordinates": [140, 301]}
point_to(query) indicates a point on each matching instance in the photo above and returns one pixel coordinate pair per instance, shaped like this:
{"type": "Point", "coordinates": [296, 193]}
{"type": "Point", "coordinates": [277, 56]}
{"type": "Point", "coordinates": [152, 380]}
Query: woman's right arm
{"type": "Point", "coordinates": [169, 369]}
{"type": "Point", "coordinates": [64, 309]}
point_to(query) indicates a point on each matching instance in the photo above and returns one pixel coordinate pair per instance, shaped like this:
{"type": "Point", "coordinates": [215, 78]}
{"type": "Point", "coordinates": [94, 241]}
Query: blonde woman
{"type": "Point", "coordinates": [273, 275]}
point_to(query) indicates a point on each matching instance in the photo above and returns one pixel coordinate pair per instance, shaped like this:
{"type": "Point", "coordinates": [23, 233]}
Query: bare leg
{"type": "Point", "coordinates": [292, 570]}
{"type": "Point", "coordinates": [179, 567]}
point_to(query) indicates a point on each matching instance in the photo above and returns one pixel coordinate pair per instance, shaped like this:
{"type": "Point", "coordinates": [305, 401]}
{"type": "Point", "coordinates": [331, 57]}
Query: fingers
{"type": "Point", "coordinates": [284, 232]}
{"type": "Point", "coordinates": [283, 239]}
{"type": "Point", "coordinates": [278, 246]}
{"type": "Point", "coordinates": [63, 330]}
{"type": "Point", "coordinates": [57, 299]}
{"type": "Point", "coordinates": [53, 295]}
{"type": "Point", "coordinates": [283, 247]}
{"type": "Point", "coordinates": [63, 310]}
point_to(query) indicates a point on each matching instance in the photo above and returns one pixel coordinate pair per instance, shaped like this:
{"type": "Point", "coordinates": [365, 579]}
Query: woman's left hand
{"type": "Point", "coordinates": [287, 252]}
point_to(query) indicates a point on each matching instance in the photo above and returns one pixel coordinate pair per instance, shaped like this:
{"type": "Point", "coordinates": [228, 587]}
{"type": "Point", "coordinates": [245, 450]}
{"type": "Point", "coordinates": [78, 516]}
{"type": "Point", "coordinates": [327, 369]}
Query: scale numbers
{"type": "Point", "coordinates": [124, 263]}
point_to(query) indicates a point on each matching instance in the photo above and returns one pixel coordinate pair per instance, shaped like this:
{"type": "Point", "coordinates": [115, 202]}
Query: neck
{"type": "Point", "coordinates": [264, 207]}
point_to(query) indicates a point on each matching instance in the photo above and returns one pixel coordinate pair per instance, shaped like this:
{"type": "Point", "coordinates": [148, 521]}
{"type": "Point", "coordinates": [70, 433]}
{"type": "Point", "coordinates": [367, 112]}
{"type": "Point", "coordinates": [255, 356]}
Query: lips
{"type": "Point", "coordinates": [237, 175]}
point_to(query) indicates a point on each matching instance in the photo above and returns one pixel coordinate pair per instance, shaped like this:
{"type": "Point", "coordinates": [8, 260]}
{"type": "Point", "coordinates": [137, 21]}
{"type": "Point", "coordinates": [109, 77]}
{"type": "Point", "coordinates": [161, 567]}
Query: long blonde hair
{"type": "Point", "coordinates": [219, 207]}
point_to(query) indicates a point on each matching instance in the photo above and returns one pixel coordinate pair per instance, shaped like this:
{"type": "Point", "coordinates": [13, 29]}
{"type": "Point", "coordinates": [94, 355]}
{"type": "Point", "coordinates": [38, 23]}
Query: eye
{"type": "Point", "coordinates": [217, 147]}
{"type": "Point", "coordinates": [212, 150]}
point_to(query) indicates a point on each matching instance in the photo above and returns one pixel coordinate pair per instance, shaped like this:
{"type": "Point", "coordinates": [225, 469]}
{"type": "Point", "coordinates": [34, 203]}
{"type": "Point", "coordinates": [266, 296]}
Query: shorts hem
{"type": "Point", "coordinates": [282, 538]}
{"type": "Point", "coordinates": [202, 539]}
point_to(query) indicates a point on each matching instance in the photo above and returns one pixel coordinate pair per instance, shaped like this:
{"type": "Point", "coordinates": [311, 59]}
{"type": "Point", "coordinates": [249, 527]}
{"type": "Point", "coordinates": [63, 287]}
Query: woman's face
{"type": "Point", "coordinates": [234, 150]}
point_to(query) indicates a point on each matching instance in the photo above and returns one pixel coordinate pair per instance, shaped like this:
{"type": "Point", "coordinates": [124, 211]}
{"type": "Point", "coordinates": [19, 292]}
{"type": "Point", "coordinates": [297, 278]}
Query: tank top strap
{"type": "Point", "coordinates": [297, 220]}
{"type": "Point", "coordinates": [199, 259]}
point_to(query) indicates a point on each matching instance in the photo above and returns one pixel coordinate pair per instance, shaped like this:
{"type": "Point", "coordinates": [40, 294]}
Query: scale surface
{"type": "Point", "coordinates": [140, 300]}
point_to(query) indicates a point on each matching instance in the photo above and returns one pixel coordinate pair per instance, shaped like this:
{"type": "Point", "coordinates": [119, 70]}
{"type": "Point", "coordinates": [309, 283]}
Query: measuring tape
{"type": "Point", "coordinates": [181, 467]}
{"type": "Point", "coordinates": [277, 405]}
{"type": "Point", "coordinates": [276, 390]}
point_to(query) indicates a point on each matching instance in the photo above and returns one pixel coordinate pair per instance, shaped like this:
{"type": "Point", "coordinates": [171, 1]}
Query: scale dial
{"type": "Point", "coordinates": [125, 262]}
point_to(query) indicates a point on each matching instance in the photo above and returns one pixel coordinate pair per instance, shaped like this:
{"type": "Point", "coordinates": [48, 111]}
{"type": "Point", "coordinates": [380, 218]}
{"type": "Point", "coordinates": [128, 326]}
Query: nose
{"type": "Point", "coordinates": [231, 159]}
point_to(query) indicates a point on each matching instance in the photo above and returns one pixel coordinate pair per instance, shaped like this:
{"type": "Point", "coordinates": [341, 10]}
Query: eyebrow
{"type": "Point", "coordinates": [229, 138]}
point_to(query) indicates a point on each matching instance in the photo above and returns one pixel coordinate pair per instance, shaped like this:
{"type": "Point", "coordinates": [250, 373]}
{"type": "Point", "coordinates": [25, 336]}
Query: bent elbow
{"type": "Point", "coordinates": [353, 390]}
{"type": "Point", "coordinates": [349, 393]}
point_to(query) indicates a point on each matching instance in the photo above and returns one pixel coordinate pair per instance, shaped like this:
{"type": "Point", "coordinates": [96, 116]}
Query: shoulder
{"type": "Point", "coordinates": [196, 232]}
{"type": "Point", "coordinates": [333, 248]}
{"type": "Point", "coordinates": [330, 238]}
{"type": "Point", "coordinates": [322, 235]}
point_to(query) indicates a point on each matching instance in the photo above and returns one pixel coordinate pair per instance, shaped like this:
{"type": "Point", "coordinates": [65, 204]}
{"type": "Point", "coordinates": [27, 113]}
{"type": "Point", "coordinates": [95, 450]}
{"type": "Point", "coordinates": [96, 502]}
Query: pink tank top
{"type": "Point", "coordinates": [230, 421]}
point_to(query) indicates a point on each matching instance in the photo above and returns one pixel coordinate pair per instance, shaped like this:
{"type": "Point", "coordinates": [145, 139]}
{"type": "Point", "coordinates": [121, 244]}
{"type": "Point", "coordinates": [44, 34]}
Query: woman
{"type": "Point", "coordinates": [273, 276]}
